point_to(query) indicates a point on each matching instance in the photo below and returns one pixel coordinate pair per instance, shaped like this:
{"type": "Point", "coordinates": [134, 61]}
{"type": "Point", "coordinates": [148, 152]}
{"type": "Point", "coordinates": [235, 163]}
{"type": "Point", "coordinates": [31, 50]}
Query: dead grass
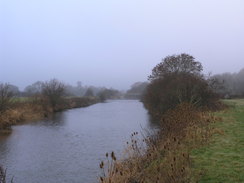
{"type": "Point", "coordinates": [163, 157]}
{"type": "Point", "coordinates": [20, 113]}
{"type": "Point", "coordinates": [36, 109]}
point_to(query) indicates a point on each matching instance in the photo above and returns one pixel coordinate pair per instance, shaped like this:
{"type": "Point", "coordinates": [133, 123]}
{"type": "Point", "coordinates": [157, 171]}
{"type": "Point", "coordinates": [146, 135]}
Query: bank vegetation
{"type": "Point", "coordinates": [182, 100]}
{"type": "Point", "coordinates": [50, 98]}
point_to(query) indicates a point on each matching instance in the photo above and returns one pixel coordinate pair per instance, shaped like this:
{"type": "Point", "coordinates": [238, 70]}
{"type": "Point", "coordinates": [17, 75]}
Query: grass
{"type": "Point", "coordinates": [222, 160]}
{"type": "Point", "coordinates": [21, 99]}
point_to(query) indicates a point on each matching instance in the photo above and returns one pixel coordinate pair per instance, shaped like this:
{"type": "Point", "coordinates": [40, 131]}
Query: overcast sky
{"type": "Point", "coordinates": [114, 43]}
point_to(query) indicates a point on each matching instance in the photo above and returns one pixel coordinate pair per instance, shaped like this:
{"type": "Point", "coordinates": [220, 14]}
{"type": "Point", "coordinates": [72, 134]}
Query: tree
{"type": "Point", "coordinates": [177, 80]}
{"type": "Point", "coordinates": [14, 89]}
{"type": "Point", "coordinates": [53, 91]}
{"type": "Point", "coordinates": [5, 97]}
{"type": "Point", "coordinates": [89, 93]}
{"type": "Point", "coordinates": [232, 84]}
{"type": "Point", "coordinates": [108, 94]}
{"type": "Point", "coordinates": [34, 89]}
{"type": "Point", "coordinates": [182, 63]}
{"type": "Point", "coordinates": [137, 90]}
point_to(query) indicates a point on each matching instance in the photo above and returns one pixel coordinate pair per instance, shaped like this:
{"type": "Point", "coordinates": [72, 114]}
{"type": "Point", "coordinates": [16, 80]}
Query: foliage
{"type": "Point", "coordinates": [34, 89]}
{"type": "Point", "coordinates": [5, 97]}
{"type": "Point", "coordinates": [182, 63]}
{"type": "Point", "coordinates": [137, 90]}
{"type": "Point", "coordinates": [89, 93]}
{"type": "Point", "coordinates": [108, 94]}
{"type": "Point", "coordinates": [176, 80]}
{"type": "Point", "coordinates": [53, 91]}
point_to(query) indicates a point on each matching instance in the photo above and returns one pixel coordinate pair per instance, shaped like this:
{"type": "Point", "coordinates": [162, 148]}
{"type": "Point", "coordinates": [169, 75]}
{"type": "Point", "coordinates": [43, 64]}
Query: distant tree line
{"type": "Point", "coordinates": [74, 91]}
{"type": "Point", "coordinates": [136, 91]}
{"type": "Point", "coordinates": [231, 84]}
{"type": "Point", "coordinates": [53, 92]}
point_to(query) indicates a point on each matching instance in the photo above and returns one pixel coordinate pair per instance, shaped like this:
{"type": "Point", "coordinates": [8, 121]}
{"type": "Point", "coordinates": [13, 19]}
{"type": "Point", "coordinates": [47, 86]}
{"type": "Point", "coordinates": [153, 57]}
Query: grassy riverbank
{"type": "Point", "coordinates": [30, 109]}
{"type": "Point", "coordinates": [222, 160]}
{"type": "Point", "coordinates": [194, 146]}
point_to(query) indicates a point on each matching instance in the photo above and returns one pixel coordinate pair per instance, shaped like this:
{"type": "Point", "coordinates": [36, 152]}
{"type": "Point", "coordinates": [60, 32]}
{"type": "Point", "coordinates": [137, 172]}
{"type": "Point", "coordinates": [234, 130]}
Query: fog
{"type": "Point", "coordinates": [115, 43]}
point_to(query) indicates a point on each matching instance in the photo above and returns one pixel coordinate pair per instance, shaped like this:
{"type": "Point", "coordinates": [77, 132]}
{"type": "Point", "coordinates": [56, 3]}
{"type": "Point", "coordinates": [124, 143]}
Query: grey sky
{"type": "Point", "coordinates": [114, 43]}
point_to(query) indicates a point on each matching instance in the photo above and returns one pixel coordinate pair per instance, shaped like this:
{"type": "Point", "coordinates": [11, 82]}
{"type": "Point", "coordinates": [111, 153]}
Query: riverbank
{"type": "Point", "coordinates": [194, 146]}
{"type": "Point", "coordinates": [34, 109]}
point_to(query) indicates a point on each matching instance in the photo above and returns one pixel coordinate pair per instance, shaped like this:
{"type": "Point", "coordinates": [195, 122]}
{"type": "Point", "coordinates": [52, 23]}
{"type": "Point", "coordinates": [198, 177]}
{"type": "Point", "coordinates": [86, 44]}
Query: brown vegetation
{"type": "Point", "coordinates": [38, 108]}
{"type": "Point", "coordinates": [176, 96]}
{"type": "Point", "coordinates": [49, 97]}
{"type": "Point", "coordinates": [162, 157]}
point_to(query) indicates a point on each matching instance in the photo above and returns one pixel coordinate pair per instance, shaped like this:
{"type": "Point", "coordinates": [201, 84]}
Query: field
{"type": "Point", "coordinates": [222, 160]}
{"type": "Point", "coordinates": [21, 99]}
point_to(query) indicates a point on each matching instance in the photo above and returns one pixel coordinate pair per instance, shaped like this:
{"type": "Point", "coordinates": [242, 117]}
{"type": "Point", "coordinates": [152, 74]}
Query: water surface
{"type": "Point", "coordinates": [69, 147]}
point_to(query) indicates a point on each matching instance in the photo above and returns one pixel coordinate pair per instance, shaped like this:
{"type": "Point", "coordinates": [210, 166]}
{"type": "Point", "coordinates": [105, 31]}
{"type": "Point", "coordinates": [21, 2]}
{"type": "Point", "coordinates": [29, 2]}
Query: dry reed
{"type": "Point", "coordinates": [163, 157]}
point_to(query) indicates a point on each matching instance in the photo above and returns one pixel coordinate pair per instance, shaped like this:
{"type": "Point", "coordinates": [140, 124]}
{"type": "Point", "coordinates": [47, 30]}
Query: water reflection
{"type": "Point", "coordinates": [57, 119]}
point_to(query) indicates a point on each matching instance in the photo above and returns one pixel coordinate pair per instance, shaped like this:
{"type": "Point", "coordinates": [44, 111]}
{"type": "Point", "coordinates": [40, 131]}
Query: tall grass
{"type": "Point", "coordinates": [36, 108]}
{"type": "Point", "coordinates": [166, 156]}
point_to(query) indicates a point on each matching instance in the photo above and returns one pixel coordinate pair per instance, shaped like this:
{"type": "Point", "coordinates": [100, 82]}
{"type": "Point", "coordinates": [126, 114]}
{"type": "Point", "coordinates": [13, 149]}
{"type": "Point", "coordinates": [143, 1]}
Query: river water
{"type": "Point", "coordinates": [69, 147]}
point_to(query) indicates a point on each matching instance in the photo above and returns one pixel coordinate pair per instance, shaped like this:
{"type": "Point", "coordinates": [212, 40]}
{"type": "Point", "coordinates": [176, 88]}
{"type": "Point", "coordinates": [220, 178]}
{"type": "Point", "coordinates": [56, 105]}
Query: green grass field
{"type": "Point", "coordinates": [21, 99]}
{"type": "Point", "coordinates": [222, 160]}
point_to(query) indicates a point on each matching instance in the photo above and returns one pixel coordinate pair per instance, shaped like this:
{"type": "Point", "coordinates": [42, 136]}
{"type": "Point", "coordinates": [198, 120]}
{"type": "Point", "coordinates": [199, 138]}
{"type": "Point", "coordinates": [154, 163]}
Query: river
{"type": "Point", "coordinates": [69, 147]}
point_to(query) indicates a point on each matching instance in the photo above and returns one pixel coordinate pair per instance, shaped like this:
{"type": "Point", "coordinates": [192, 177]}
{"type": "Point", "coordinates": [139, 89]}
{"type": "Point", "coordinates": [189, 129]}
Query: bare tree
{"type": "Point", "coordinates": [53, 91]}
{"type": "Point", "coordinates": [5, 96]}
{"type": "Point", "coordinates": [34, 89]}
